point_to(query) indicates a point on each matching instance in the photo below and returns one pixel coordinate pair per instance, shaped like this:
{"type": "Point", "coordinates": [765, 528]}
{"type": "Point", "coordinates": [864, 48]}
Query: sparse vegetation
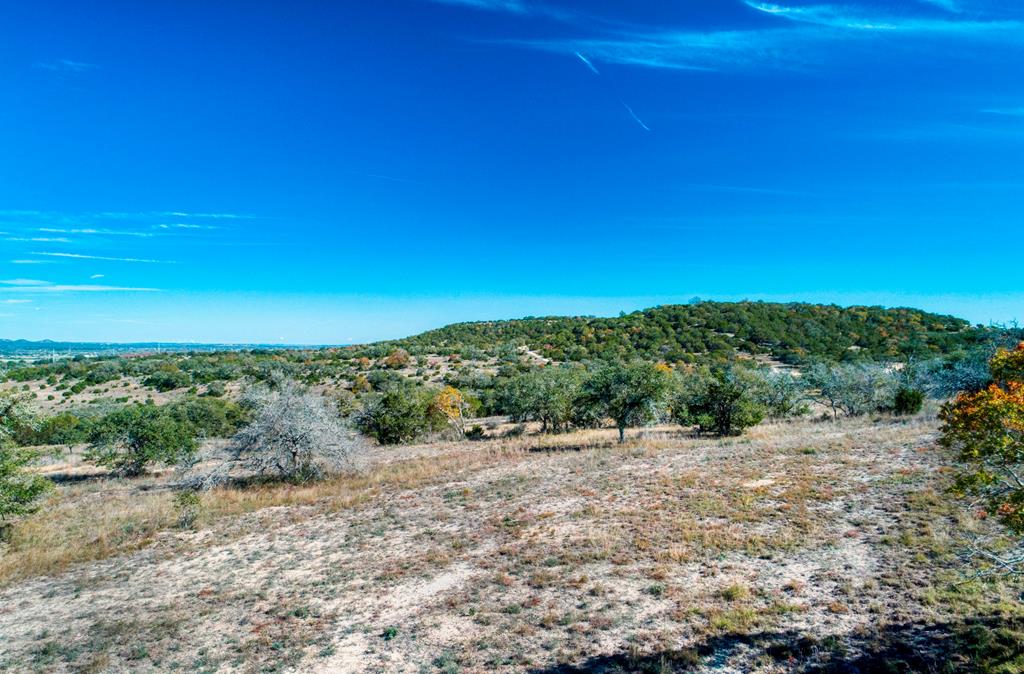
{"type": "Point", "coordinates": [812, 545]}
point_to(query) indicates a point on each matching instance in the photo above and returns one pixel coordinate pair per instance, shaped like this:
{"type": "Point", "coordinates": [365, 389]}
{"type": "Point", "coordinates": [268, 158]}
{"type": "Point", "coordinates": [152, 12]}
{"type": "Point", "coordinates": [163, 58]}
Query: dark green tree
{"type": "Point", "coordinates": [130, 439]}
{"type": "Point", "coordinates": [723, 404]}
{"type": "Point", "coordinates": [631, 394]}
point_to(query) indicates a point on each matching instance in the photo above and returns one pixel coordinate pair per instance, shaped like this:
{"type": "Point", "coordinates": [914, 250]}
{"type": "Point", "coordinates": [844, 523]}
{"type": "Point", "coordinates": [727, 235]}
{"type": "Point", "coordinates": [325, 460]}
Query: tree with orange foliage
{"type": "Point", "coordinates": [397, 359]}
{"type": "Point", "coordinates": [987, 430]}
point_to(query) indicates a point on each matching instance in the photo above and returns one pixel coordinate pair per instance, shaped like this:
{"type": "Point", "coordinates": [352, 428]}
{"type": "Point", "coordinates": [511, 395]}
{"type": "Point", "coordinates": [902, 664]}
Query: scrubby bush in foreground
{"type": "Point", "coordinates": [908, 401]}
{"type": "Point", "coordinates": [781, 394]}
{"type": "Point", "coordinates": [167, 378]}
{"type": "Point", "coordinates": [19, 489]}
{"type": "Point", "coordinates": [550, 395]}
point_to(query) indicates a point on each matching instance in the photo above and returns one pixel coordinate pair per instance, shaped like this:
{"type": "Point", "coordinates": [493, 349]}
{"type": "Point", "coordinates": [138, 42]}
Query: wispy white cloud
{"type": "Point", "coordinates": [513, 6]}
{"type": "Point", "coordinates": [96, 276]}
{"type": "Point", "coordinates": [185, 225]}
{"type": "Point", "coordinates": [36, 286]}
{"type": "Point", "coordinates": [61, 288]}
{"type": "Point", "coordinates": [89, 218]}
{"type": "Point", "coordinates": [522, 8]}
{"type": "Point", "coordinates": [214, 216]}
{"type": "Point", "coordinates": [40, 239]}
{"type": "Point", "coordinates": [850, 17]}
{"type": "Point", "coordinates": [804, 37]}
{"type": "Point", "coordinates": [29, 261]}
{"type": "Point", "coordinates": [1009, 112]}
{"type": "Point", "coordinates": [15, 301]}
{"type": "Point", "coordinates": [67, 66]}
{"type": "Point", "coordinates": [79, 256]}
{"type": "Point", "coordinates": [23, 282]}
{"type": "Point", "coordinates": [94, 230]}
{"type": "Point", "coordinates": [686, 50]}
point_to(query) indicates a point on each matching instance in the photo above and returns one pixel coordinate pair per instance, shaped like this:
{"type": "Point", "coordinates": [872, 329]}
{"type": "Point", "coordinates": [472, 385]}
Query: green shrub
{"type": "Point", "coordinates": [780, 393]}
{"type": "Point", "coordinates": [549, 395]}
{"type": "Point", "coordinates": [187, 504]}
{"type": "Point", "coordinates": [854, 389]}
{"type": "Point", "coordinates": [908, 401]}
{"type": "Point", "coordinates": [61, 429]}
{"type": "Point", "coordinates": [19, 489]}
{"type": "Point", "coordinates": [128, 440]}
{"type": "Point", "coordinates": [401, 414]}
{"type": "Point", "coordinates": [167, 378]}
{"type": "Point", "coordinates": [214, 389]}
{"type": "Point", "coordinates": [209, 417]}
{"type": "Point", "coordinates": [722, 403]}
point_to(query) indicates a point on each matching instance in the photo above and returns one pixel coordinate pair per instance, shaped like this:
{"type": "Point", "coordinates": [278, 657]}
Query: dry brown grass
{"type": "Point", "coordinates": [504, 555]}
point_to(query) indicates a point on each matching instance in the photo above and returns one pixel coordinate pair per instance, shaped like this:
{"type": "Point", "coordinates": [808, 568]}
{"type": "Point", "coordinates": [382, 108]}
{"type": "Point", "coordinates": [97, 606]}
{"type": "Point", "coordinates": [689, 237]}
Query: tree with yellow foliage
{"type": "Point", "coordinates": [450, 405]}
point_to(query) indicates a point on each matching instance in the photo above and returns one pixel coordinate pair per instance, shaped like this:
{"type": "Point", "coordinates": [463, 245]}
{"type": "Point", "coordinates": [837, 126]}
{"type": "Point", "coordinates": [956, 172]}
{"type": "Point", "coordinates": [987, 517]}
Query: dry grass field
{"type": "Point", "coordinates": [802, 546]}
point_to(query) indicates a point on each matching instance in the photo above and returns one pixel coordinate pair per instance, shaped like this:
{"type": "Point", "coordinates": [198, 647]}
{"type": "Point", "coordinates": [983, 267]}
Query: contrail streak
{"type": "Point", "coordinates": [633, 115]}
{"type": "Point", "coordinates": [587, 62]}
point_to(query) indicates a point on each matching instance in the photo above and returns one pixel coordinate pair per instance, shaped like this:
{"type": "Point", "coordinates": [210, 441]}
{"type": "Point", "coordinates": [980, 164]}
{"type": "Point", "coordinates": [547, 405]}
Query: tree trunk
{"type": "Point", "coordinates": [622, 434]}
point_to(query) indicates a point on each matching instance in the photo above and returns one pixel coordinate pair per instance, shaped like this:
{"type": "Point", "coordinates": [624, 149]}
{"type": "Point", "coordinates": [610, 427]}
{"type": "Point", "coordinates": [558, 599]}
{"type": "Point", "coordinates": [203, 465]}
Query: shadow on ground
{"type": "Point", "coordinates": [989, 644]}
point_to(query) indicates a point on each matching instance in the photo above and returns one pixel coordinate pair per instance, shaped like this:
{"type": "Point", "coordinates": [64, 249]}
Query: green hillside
{"type": "Point", "coordinates": [789, 332]}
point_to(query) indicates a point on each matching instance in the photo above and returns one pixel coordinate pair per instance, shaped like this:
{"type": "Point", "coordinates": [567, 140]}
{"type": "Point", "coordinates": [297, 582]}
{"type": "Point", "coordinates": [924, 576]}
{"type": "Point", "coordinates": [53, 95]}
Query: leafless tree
{"type": "Point", "coordinates": [294, 435]}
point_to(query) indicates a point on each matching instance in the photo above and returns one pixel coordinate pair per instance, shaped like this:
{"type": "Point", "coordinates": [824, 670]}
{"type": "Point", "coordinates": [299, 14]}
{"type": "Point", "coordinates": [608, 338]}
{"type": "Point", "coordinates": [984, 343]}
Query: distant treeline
{"type": "Point", "coordinates": [792, 333]}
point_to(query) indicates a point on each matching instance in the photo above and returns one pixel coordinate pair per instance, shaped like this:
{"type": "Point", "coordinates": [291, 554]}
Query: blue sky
{"type": "Point", "coordinates": [331, 172]}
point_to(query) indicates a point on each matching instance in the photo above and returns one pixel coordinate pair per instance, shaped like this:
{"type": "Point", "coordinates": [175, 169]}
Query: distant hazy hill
{"type": "Point", "coordinates": [45, 347]}
{"type": "Point", "coordinates": [789, 332]}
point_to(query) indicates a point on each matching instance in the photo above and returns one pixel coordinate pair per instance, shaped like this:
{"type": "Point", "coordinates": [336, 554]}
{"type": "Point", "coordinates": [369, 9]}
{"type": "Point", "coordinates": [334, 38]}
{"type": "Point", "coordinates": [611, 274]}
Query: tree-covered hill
{"type": "Point", "coordinates": [789, 332]}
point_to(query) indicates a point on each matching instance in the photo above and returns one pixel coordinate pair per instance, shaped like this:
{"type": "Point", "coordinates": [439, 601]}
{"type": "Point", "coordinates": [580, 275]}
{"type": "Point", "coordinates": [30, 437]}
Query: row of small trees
{"type": "Point", "coordinates": [632, 394]}
{"type": "Point", "coordinates": [722, 401]}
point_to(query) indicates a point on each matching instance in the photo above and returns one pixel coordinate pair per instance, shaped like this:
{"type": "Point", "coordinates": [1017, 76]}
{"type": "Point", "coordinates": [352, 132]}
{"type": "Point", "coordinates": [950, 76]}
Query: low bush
{"type": "Point", "coordinates": [854, 389]}
{"type": "Point", "coordinates": [167, 378]}
{"type": "Point", "coordinates": [908, 401]}
{"type": "Point", "coordinates": [19, 489]}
